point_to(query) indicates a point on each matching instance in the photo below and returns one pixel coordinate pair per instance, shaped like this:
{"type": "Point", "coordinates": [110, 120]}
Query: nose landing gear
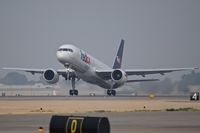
{"type": "Point", "coordinates": [73, 91]}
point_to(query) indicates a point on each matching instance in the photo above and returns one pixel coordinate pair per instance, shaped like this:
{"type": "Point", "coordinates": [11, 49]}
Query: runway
{"type": "Point", "coordinates": [97, 97]}
{"type": "Point", "coordinates": [130, 122]}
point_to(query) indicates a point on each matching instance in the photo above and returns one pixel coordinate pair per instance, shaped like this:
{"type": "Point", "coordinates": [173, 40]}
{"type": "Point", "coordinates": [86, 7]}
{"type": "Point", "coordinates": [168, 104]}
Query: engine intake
{"type": "Point", "coordinates": [118, 76]}
{"type": "Point", "coordinates": [50, 76]}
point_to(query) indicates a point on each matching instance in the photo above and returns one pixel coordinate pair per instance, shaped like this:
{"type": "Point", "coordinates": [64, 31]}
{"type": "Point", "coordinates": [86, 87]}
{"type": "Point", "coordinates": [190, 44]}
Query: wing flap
{"type": "Point", "coordinates": [142, 80]}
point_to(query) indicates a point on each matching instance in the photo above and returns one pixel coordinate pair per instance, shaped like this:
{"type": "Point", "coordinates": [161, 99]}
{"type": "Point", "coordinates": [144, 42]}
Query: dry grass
{"type": "Point", "coordinates": [79, 106]}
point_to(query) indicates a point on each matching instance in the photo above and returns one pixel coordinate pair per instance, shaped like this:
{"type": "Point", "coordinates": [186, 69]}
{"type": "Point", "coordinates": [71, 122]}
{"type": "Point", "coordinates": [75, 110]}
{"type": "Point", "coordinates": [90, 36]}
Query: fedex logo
{"type": "Point", "coordinates": [85, 57]}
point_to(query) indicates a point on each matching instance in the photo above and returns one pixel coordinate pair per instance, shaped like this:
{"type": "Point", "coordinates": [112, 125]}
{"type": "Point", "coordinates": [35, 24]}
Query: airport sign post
{"type": "Point", "coordinates": [194, 96]}
{"type": "Point", "coordinates": [79, 124]}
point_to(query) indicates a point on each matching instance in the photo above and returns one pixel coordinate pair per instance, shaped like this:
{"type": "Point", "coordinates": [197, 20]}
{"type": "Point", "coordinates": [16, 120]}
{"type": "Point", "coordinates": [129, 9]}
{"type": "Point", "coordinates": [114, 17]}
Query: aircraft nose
{"type": "Point", "coordinates": [61, 56]}
{"type": "Point", "coordinates": [65, 54]}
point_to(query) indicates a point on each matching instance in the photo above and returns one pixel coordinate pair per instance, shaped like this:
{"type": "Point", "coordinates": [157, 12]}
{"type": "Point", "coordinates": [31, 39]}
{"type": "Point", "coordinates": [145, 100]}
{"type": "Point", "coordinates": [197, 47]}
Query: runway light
{"type": "Point", "coordinates": [152, 96]}
{"type": "Point", "coordinates": [40, 129]}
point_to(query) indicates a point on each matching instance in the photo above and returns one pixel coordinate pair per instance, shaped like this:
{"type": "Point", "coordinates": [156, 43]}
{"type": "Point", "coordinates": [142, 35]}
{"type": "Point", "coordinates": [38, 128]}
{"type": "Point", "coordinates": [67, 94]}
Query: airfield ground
{"type": "Point", "coordinates": [126, 114]}
{"type": "Point", "coordinates": [32, 105]}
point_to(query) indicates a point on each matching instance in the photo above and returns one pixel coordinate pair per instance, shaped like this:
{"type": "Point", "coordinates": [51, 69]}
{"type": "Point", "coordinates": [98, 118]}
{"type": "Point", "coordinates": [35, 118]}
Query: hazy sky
{"type": "Point", "coordinates": [157, 33]}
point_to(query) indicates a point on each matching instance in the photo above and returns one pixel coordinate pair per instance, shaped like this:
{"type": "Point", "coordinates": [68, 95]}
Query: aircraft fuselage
{"type": "Point", "coordinates": [84, 64]}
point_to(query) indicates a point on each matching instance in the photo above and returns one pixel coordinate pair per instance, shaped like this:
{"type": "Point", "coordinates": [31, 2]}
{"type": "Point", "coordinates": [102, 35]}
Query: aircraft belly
{"type": "Point", "coordinates": [92, 79]}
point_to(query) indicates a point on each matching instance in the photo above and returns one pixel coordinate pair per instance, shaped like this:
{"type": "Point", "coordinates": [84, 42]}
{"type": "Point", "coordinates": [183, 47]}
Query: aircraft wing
{"type": "Point", "coordinates": [156, 71]}
{"type": "Point", "coordinates": [32, 71]}
{"type": "Point", "coordinates": [40, 71]}
{"type": "Point", "coordinates": [105, 74]}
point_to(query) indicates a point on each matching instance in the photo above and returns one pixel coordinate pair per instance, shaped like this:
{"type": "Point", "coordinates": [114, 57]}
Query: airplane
{"type": "Point", "coordinates": [81, 65]}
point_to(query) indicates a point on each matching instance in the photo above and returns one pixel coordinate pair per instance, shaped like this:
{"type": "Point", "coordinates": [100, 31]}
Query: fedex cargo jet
{"type": "Point", "coordinates": [81, 65]}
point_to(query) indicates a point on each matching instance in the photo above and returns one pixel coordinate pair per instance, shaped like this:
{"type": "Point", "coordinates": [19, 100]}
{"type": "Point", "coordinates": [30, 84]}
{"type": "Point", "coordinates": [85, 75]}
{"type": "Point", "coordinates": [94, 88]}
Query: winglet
{"type": "Point", "coordinates": [118, 58]}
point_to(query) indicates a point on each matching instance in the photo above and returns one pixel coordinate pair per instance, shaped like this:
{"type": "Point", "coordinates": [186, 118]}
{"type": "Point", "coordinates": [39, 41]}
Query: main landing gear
{"type": "Point", "coordinates": [111, 92]}
{"type": "Point", "coordinates": [73, 91]}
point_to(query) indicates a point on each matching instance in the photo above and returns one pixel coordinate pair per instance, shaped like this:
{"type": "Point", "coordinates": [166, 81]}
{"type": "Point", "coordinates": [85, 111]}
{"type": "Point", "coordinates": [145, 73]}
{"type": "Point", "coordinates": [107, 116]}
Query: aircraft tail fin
{"type": "Point", "coordinates": [118, 59]}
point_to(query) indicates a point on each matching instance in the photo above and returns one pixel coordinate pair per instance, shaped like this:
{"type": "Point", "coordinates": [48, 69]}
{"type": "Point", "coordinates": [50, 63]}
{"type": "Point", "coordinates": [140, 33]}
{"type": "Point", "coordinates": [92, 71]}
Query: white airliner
{"type": "Point", "coordinates": [80, 65]}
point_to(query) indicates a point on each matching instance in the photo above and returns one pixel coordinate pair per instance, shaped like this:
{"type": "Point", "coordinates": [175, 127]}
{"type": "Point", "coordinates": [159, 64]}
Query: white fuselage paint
{"type": "Point", "coordinates": [85, 65]}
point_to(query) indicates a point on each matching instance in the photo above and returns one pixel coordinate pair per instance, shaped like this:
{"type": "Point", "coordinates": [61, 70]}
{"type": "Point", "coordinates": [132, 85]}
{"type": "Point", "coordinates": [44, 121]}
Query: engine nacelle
{"type": "Point", "coordinates": [50, 76]}
{"type": "Point", "coordinates": [119, 76]}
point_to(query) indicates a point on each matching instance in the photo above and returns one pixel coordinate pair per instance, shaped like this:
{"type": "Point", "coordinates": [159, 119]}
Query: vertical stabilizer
{"type": "Point", "coordinates": [118, 59]}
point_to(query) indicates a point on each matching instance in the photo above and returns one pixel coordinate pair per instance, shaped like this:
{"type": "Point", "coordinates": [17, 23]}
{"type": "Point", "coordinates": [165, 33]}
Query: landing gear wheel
{"type": "Point", "coordinates": [76, 92]}
{"type": "Point", "coordinates": [73, 92]}
{"type": "Point", "coordinates": [111, 92]}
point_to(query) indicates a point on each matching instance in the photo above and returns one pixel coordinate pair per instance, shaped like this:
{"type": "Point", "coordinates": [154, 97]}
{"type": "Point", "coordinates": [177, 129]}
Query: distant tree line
{"type": "Point", "coordinates": [15, 78]}
{"type": "Point", "coordinates": [167, 86]}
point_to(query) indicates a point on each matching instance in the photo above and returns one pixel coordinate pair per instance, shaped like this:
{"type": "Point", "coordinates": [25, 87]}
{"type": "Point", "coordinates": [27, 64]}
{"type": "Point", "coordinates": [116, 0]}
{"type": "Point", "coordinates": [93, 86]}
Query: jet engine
{"type": "Point", "coordinates": [119, 76]}
{"type": "Point", "coordinates": [50, 76]}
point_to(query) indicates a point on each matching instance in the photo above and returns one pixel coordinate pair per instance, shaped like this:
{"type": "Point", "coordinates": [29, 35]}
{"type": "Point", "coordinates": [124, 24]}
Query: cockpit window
{"type": "Point", "coordinates": [65, 49]}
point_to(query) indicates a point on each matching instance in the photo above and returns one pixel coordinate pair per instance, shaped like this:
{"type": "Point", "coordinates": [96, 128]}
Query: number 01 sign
{"type": "Point", "coordinates": [74, 125]}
